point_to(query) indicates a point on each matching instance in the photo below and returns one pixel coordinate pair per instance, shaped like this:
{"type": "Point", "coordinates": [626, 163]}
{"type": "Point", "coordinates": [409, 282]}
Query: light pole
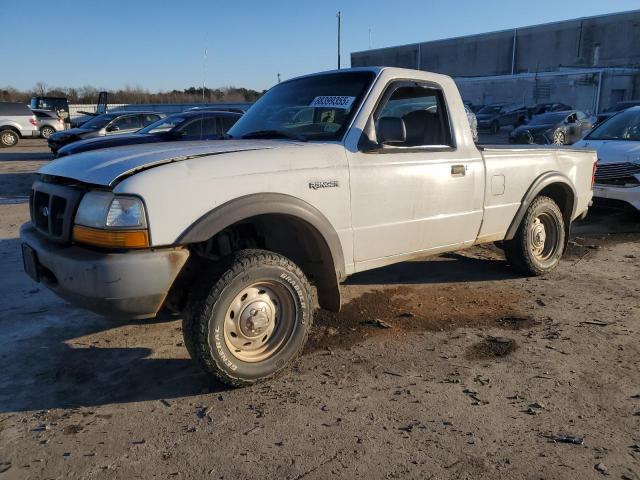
{"type": "Point", "coordinates": [339, 25]}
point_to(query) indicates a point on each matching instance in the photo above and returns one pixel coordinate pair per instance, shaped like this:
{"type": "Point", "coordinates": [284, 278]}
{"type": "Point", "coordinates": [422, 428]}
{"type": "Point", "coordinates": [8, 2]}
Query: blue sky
{"type": "Point", "coordinates": [160, 45]}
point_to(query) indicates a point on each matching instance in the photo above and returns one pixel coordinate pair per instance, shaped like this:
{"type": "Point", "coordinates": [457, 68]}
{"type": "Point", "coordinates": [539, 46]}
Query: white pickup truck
{"type": "Point", "coordinates": [325, 176]}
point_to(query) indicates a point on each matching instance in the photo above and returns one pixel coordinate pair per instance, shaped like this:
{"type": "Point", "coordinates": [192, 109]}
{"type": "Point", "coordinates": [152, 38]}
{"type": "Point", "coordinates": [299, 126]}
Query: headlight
{"type": "Point", "coordinates": [113, 221]}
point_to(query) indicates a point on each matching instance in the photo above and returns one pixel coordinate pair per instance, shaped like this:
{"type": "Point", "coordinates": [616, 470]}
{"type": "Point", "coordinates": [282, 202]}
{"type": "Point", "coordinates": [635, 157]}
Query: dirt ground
{"type": "Point", "coordinates": [482, 374]}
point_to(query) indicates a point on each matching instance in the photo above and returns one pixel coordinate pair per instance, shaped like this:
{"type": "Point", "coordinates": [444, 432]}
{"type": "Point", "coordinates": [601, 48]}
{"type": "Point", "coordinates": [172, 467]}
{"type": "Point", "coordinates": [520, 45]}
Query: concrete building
{"type": "Point", "coordinates": [590, 63]}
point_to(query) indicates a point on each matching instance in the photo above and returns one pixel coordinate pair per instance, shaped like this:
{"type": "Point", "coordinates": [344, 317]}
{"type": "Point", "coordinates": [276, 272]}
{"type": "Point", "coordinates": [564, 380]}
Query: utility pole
{"type": "Point", "coordinates": [339, 25]}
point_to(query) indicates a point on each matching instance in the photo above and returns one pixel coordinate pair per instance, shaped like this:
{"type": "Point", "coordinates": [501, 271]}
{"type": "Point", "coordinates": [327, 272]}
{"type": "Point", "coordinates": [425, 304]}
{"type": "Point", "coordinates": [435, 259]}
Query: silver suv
{"type": "Point", "coordinates": [16, 121]}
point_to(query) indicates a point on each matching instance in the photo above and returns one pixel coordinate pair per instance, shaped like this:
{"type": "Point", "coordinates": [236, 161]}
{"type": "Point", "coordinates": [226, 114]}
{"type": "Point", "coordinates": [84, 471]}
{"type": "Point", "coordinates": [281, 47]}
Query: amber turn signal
{"type": "Point", "coordinates": [111, 238]}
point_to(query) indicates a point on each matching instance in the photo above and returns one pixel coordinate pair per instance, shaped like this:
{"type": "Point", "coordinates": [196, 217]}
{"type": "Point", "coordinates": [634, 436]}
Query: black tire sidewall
{"type": "Point", "coordinates": [10, 132]}
{"type": "Point", "coordinates": [248, 371]}
{"type": "Point", "coordinates": [543, 205]}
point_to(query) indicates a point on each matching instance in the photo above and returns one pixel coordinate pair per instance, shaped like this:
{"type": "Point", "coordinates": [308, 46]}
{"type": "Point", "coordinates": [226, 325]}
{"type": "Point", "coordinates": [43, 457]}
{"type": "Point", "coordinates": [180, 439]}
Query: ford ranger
{"type": "Point", "coordinates": [325, 176]}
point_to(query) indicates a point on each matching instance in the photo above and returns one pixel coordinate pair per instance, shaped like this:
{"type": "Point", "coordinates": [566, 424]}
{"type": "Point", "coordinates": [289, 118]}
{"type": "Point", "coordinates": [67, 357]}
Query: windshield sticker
{"type": "Point", "coordinates": [333, 101]}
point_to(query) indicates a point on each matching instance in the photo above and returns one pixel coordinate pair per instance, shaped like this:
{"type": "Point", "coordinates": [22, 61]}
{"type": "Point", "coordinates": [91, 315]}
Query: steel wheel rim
{"type": "Point", "coordinates": [543, 237]}
{"type": "Point", "coordinates": [8, 139]}
{"type": "Point", "coordinates": [259, 321]}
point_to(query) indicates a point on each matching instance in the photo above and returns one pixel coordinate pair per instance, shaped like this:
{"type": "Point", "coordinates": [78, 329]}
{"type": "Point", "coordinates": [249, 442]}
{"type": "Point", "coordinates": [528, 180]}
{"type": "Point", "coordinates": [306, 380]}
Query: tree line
{"type": "Point", "coordinates": [89, 94]}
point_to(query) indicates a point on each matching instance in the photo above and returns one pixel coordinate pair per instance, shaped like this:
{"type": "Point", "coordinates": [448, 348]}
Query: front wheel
{"type": "Point", "coordinates": [539, 242]}
{"type": "Point", "coordinates": [559, 138]}
{"type": "Point", "coordinates": [248, 322]}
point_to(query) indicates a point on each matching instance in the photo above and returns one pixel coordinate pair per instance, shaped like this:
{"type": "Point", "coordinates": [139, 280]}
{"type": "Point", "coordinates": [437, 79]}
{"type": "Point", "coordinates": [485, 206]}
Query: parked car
{"type": "Point", "coordinates": [618, 107]}
{"type": "Point", "coordinates": [493, 117]}
{"type": "Point", "coordinates": [473, 122]}
{"type": "Point", "coordinates": [617, 141]}
{"type": "Point", "coordinates": [230, 233]}
{"type": "Point", "coordinates": [48, 122]}
{"type": "Point", "coordinates": [57, 105]}
{"type": "Point", "coordinates": [541, 108]}
{"type": "Point", "coordinates": [560, 128]}
{"type": "Point", "coordinates": [201, 125]}
{"type": "Point", "coordinates": [16, 121]}
{"type": "Point", "coordinates": [116, 123]}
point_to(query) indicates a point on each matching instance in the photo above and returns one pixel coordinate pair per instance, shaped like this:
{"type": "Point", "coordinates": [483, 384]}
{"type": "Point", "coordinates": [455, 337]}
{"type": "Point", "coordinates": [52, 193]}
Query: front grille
{"type": "Point", "coordinates": [617, 173]}
{"type": "Point", "coordinates": [53, 208]}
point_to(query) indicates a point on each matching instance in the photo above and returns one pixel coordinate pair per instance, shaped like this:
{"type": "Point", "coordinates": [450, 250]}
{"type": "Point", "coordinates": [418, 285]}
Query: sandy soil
{"type": "Point", "coordinates": [482, 374]}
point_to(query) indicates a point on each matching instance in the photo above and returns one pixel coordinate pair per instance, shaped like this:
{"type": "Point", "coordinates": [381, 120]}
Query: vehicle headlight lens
{"type": "Point", "coordinates": [113, 221]}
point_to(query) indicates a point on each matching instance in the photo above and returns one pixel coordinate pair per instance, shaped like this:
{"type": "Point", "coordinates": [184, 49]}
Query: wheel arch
{"type": "Point", "coordinates": [314, 236]}
{"type": "Point", "coordinates": [554, 185]}
{"type": "Point", "coordinates": [13, 128]}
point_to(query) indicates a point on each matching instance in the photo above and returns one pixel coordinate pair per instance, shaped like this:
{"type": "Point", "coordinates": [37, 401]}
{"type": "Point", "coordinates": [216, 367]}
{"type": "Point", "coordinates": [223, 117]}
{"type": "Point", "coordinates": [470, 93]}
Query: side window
{"type": "Point", "coordinates": [200, 127]}
{"type": "Point", "coordinates": [227, 123]}
{"type": "Point", "coordinates": [128, 122]}
{"type": "Point", "coordinates": [423, 111]}
{"type": "Point", "coordinates": [148, 119]}
{"type": "Point", "coordinates": [572, 118]}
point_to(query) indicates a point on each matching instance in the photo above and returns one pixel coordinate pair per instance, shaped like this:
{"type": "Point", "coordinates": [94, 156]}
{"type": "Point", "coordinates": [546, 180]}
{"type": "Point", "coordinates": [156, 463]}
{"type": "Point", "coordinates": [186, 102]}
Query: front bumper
{"type": "Point", "coordinates": [132, 284]}
{"type": "Point", "coordinates": [630, 195]}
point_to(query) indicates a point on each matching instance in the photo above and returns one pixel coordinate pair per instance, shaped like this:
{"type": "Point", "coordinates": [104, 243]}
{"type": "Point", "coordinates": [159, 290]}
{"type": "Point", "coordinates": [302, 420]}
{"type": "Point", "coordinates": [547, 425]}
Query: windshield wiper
{"type": "Point", "coordinates": [274, 134]}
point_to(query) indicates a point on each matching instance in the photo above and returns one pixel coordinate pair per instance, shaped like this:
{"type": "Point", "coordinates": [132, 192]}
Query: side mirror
{"type": "Point", "coordinates": [113, 128]}
{"type": "Point", "coordinates": [391, 130]}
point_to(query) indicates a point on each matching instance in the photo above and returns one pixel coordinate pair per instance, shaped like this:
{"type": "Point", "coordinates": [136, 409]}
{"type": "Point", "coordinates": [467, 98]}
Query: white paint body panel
{"type": "Point", "coordinates": [386, 207]}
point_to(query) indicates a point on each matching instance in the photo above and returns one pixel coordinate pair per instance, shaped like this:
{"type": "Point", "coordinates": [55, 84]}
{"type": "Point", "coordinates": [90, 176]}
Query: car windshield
{"type": "Point", "coordinates": [490, 109]}
{"type": "Point", "coordinates": [98, 122]}
{"type": "Point", "coordinates": [163, 125]}
{"type": "Point", "coordinates": [547, 119]}
{"type": "Point", "coordinates": [319, 107]}
{"type": "Point", "coordinates": [623, 126]}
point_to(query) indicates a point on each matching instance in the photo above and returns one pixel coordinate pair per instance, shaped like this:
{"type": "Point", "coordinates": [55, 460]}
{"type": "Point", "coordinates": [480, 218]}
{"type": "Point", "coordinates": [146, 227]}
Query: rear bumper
{"type": "Point", "coordinates": [630, 195]}
{"type": "Point", "coordinates": [132, 284]}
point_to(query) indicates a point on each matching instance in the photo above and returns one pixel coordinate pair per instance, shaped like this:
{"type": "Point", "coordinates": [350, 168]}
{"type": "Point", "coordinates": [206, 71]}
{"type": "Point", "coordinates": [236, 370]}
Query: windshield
{"type": "Point", "coordinates": [490, 109]}
{"type": "Point", "coordinates": [98, 122]}
{"type": "Point", "coordinates": [547, 119]}
{"type": "Point", "coordinates": [623, 126]}
{"type": "Point", "coordinates": [314, 108]}
{"type": "Point", "coordinates": [163, 125]}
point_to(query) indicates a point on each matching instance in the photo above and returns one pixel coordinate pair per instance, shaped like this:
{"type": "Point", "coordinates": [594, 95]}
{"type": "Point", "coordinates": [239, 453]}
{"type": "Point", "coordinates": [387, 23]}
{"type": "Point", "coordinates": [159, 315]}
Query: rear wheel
{"type": "Point", "coordinates": [8, 138]}
{"type": "Point", "coordinates": [249, 320]}
{"type": "Point", "coordinates": [539, 242]}
{"type": "Point", "coordinates": [46, 132]}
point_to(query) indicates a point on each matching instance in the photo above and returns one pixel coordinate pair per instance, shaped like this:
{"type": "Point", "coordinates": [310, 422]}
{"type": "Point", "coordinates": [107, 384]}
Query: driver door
{"type": "Point", "coordinates": [418, 196]}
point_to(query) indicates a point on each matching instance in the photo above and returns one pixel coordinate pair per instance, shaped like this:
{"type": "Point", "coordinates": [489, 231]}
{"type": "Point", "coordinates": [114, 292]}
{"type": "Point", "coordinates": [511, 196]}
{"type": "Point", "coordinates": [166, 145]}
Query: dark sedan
{"type": "Point", "coordinates": [560, 128]}
{"type": "Point", "coordinates": [103, 125]}
{"type": "Point", "coordinates": [193, 125]}
{"type": "Point", "coordinates": [494, 117]}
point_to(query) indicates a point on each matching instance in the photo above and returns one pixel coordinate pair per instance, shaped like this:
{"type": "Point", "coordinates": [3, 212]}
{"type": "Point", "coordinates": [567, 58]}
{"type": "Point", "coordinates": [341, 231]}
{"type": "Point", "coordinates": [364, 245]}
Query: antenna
{"type": "Point", "coordinates": [278, 77]}
{"type": "Point", "coordinates": [339, 25]}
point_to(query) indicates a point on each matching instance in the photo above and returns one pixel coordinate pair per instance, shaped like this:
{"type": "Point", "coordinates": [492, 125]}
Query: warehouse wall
{"type": "Point", "coordinates": [604, 41]}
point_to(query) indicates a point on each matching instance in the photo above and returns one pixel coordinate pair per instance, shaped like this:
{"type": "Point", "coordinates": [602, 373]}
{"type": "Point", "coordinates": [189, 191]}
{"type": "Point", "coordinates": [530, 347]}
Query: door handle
{"type": "Point", "coordinates": [458, 170]}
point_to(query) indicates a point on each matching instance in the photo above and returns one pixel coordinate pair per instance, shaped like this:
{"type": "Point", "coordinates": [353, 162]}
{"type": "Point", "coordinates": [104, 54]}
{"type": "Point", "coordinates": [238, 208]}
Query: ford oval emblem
{"type": "Point", "coordinates": [45, 211]}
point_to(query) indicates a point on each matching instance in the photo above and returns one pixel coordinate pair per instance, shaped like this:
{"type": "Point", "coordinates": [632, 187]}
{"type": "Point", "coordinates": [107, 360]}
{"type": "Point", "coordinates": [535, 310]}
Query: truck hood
{"type": "Point", "coordinates": [612, 151]}
{"type": "Point", "coordinates": [106, 167]}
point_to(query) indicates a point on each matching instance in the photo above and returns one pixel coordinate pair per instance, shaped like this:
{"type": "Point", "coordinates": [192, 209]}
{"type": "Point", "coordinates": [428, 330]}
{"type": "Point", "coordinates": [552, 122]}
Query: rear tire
{"type": "Point", "coordinates": [8, 138]}
{"type": "Point", "coordinates": [46, 132]}
{"type": "Point", "coordinates": [250, 318]}
{"type": "Point", "coordinates": [539, 242]}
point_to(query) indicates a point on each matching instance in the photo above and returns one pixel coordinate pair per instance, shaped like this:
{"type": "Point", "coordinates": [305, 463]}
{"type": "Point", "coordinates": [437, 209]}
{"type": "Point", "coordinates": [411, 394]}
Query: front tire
{"type": "Point", "coordinates": [250, 320]}
{"type": "Point", "coordinates": [539, 242]}
{"type": "Point", "coordinates": [8, 138]}
{"type": "Point", "coordinates": [559, 138]}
